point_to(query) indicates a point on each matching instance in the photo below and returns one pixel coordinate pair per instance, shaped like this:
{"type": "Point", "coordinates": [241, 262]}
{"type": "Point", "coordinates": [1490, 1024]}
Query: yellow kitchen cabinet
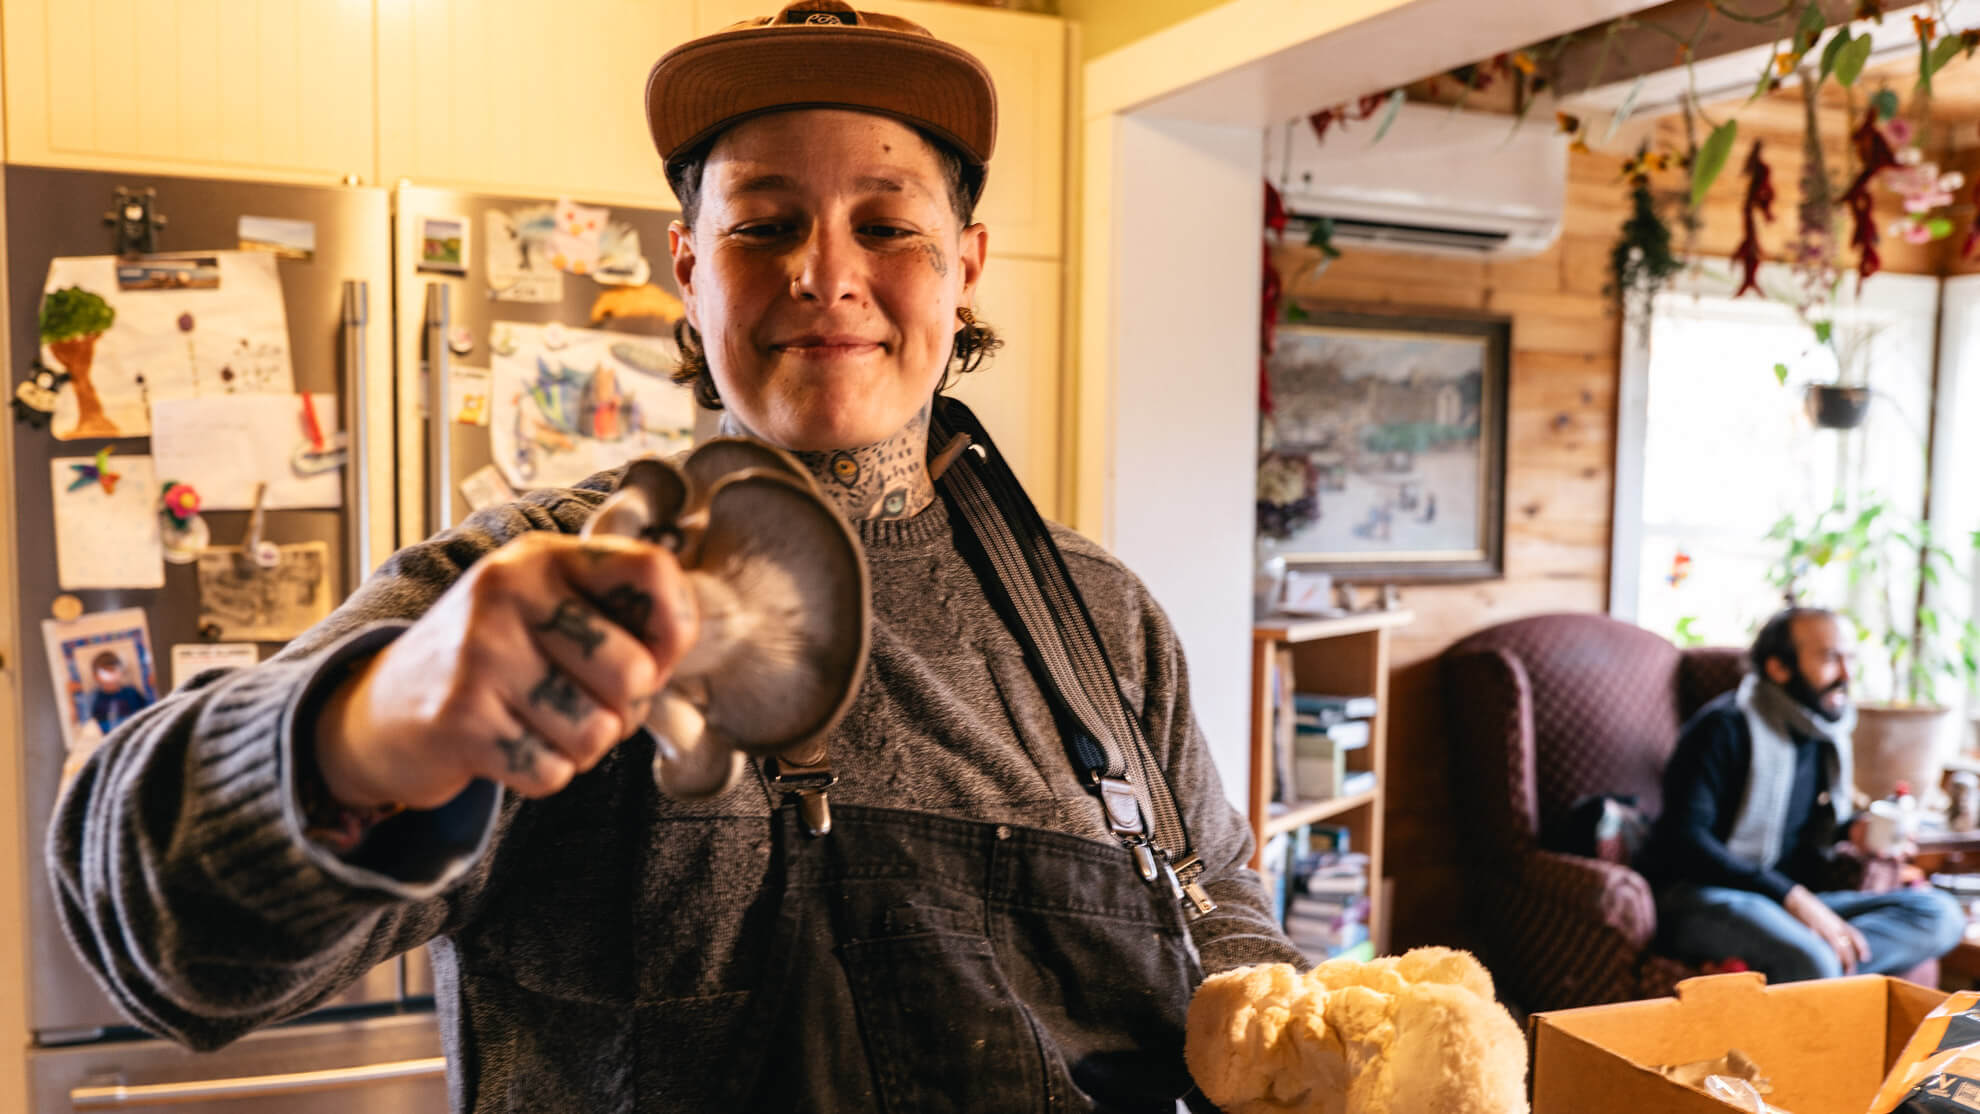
{"type": "Point", "coordinates": [1028, 58]}
{"type": "Point", "coordinates": [1016, 393]}
{"type": "Point", "coordinates": [275, 90]}
{"type": "Point", "coordinates": [524, 97]}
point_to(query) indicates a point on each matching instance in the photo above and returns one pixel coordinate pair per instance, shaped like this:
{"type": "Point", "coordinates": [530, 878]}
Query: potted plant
{"type": "Point", "coordinates": [1878, 568]}
{"type": "Point", "coordinates": [1845, 403]}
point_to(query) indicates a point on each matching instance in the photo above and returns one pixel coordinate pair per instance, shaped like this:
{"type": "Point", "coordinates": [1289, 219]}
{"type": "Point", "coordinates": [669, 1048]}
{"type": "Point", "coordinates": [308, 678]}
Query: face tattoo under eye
{"type": "Point", "coordinates": [936, 259]}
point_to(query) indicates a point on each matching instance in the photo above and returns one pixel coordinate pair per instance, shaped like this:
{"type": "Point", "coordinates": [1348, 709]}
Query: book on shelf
{"type": "Point", "coordinates": [1323, 942]}
{"type": "Point", "coordinates": [1285, 781]}
{"type": "Point", "coordinates": [1336, 914]}
{"type": "Point", "coordinates": [1323, 777]}
{"type": "Point", "coordinates": [1345, 875]}
{"type": "Point", "coordinates": [1348, 734]}
{"type": "Point", "coordinates": [1324, 839]}
{"type": "Point", "coordinates": [1319, 777]}
{"type": "Point", "coordinates": [1277, 863]}
{"type": "Point", "coordinates": [1336, 886]}
{"type": "Point", "coordinates": [1326, 709]}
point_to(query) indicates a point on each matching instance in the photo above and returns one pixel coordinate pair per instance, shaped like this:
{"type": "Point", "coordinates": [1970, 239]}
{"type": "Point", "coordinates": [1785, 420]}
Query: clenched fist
{"type": "Point", "coordinates": [545, 655]}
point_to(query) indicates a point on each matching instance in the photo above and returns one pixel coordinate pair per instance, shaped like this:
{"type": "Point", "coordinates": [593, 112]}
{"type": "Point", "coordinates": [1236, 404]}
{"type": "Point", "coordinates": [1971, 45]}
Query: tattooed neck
{"type": "Point", "coordinates": [887, 479]}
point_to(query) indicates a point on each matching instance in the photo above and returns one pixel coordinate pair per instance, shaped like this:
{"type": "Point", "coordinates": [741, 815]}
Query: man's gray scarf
{"type": "Point", "coordinates": [1774, 718]}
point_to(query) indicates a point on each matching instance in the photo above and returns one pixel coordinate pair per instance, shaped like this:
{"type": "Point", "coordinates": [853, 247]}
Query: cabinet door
{"type": "Point", "coordinates": [1024, 201]}
{"type": "Point", "coordinates": [276, 90]}
{"type": "Point", "coordinates": [524, 97]}
{"type": "Point", "coordinates": [1017, 393]}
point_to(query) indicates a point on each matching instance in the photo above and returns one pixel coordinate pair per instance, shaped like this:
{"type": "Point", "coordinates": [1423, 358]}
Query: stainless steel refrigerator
{"type": "Point", "coordinates": [438, 310]}
{"type": "Point", "coordinates": [367, 316]}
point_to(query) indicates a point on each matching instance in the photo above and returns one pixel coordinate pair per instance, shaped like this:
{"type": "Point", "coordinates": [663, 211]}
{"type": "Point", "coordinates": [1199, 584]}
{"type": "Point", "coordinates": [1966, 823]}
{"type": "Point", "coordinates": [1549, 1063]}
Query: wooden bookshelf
{"type": "Point", "coordinates": [1344, 656]}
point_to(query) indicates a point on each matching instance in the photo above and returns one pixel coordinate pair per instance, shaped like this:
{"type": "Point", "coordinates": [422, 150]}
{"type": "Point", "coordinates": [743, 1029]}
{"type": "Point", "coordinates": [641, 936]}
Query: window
{"type": "Point", "coordinates": [1727, 448]}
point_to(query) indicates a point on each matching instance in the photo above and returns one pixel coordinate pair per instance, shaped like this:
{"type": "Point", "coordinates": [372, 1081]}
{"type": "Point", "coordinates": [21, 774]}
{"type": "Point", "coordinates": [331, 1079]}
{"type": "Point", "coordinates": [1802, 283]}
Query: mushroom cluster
{"type": "Point", "coordinates": [780, 583]}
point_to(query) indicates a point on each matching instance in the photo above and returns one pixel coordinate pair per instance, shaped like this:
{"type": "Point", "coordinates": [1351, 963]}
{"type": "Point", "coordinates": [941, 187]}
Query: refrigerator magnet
{"type": "Point", "coordinates": [34, 398]}
{"type": "Point", "coordinates": [182, 545]}
{"type": "Point", "coordinates": [182, 532]}
{"type": "Point", "coordinates": [287, 239]}
{"type": "Point", "coordinates": [442, 244]}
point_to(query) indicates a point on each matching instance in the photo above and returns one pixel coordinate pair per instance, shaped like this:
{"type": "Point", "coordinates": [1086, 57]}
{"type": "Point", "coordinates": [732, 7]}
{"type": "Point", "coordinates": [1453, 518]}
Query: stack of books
{"type": "Point", "coordinates": [1325, 729]}
{"type": "Point", "coordinates": [1320, 891]}
{"type": "Point", "coordinates": [1327, 911]}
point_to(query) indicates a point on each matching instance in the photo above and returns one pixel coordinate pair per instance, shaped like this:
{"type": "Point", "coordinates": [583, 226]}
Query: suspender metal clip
{"type": "Point", "coordinates": [810, 784]}
{"type": "Point", "coordinates": [1192, 891]}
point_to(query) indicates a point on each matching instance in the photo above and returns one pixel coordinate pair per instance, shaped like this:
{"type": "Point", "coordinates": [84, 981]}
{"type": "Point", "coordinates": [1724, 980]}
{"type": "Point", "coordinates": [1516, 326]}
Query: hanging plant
{"type": "Point", "coordinates": [1641, 263]}
{"type": "Point", "coordinates": [1923, 189]}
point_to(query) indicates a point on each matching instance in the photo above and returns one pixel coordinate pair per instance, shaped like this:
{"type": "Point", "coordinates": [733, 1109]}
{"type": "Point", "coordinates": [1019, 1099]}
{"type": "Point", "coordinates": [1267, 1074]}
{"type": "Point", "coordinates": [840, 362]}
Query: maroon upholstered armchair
{"type": "Point", "coordinates": [1543, 712]}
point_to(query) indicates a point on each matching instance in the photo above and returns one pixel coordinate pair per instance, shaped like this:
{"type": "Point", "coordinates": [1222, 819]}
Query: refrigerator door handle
{"type": "Point", "coordinates": [357, 447]}
{"type": "Point", "coordinates": [439, 413]}
{"type": "Point", "coordinates": [119, 1096]}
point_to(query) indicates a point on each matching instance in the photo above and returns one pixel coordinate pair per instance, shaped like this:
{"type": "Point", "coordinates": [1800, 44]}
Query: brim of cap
{"type": "Point", "coordinates": [700, 87]}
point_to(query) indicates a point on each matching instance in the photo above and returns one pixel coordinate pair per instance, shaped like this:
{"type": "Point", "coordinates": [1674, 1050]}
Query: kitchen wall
{"type": "Point", "coordinates": [1559, 470]}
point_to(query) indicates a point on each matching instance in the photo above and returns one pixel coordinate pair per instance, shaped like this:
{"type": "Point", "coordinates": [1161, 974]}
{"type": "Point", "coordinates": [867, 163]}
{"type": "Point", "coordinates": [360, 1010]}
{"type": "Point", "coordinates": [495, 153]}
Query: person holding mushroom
{"type": "Point", "coordinates": [458, 755]}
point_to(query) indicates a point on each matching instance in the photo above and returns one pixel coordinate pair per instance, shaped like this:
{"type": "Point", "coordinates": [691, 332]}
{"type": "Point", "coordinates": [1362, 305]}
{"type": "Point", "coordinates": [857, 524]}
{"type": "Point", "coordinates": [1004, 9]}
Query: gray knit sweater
{"type": "Point", "coordinates": [564, 927]}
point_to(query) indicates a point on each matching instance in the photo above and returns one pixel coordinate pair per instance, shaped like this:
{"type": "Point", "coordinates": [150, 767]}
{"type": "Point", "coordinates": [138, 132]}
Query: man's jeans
{"type": "Point", "coordinates": [1904, 928]}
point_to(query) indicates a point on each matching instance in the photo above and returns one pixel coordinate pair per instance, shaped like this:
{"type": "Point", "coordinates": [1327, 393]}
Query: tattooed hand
{"type": "Point", "coordinates": [528, 671]}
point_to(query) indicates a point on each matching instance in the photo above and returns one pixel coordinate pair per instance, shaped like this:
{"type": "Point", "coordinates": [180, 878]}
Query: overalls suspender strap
{"type": "Point", "coordinates": [1025, 576]}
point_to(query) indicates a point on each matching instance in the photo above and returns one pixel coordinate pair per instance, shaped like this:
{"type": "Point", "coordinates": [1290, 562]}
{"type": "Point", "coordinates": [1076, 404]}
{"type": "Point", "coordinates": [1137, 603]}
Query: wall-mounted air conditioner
{"type": "Point", "coordinates": [1439, 180]}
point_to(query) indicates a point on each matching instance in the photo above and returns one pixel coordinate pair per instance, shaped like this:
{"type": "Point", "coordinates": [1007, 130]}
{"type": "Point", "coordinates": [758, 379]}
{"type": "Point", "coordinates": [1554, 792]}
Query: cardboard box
{"type": "Point", "coordinates": [1825, 1044]}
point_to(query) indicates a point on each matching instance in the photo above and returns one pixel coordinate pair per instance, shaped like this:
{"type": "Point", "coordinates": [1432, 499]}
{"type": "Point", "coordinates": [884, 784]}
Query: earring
{"type": "Point", "coordinates": [966, 315]}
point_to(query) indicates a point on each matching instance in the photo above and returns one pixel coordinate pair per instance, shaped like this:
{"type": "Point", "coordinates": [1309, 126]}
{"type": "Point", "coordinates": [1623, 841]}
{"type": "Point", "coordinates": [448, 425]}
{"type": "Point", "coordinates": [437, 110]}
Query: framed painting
{"type": "Point", "coordinates": [1384, 455]}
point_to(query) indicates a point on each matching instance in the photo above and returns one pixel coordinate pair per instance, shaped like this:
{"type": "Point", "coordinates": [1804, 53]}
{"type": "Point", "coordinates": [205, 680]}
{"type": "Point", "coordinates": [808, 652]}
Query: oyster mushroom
{"type": "Point", "coordinates": [780, 583]}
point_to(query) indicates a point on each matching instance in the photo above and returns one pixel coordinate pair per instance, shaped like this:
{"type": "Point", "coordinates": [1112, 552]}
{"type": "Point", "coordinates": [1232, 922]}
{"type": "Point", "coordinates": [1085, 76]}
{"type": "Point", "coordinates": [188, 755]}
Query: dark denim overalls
{"type": "Point", "coordinates": [924, 964]}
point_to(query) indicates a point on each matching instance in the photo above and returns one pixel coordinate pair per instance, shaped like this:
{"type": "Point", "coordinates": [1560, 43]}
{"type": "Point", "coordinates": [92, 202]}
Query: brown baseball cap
{"type": "Point", "coordinates": [821, 54]}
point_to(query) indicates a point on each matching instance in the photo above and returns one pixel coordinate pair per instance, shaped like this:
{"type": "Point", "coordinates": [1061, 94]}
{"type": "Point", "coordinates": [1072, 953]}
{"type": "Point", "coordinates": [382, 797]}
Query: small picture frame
{"type": "Point", "coordinates": [1308, 592]}
{"type": "Point", "coordinates": [441, 244]}
{"type": "Point", "coordinates": [103, 672]}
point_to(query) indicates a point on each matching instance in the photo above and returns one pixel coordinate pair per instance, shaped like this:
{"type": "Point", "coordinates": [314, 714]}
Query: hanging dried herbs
{"type": "Point", "coordinates": [1873, 156]}
{"type": "Point", "coordinates": [1641, 263]}
{"type": "Point", "coordinates": [1972, 242]}
{"type": "Point", "coordinates": [1759, 202]}
{"type": "Point", "coordinates": [1270, 290]}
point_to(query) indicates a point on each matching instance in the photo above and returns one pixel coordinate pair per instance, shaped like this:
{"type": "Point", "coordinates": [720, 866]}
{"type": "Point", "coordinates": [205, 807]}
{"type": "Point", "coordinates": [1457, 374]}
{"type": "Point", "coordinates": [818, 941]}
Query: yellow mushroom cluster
{"type": "Point", "coordinates": [1420, 1033]}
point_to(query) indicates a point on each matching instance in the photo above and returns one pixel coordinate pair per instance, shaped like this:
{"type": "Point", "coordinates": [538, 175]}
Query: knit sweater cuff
{"type": "Point", "coordinates": [409, 856]}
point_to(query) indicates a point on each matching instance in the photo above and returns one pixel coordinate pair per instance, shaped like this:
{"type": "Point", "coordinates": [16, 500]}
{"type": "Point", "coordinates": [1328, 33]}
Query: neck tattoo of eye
{"type": "Point", "coordinates": [887, 479]}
